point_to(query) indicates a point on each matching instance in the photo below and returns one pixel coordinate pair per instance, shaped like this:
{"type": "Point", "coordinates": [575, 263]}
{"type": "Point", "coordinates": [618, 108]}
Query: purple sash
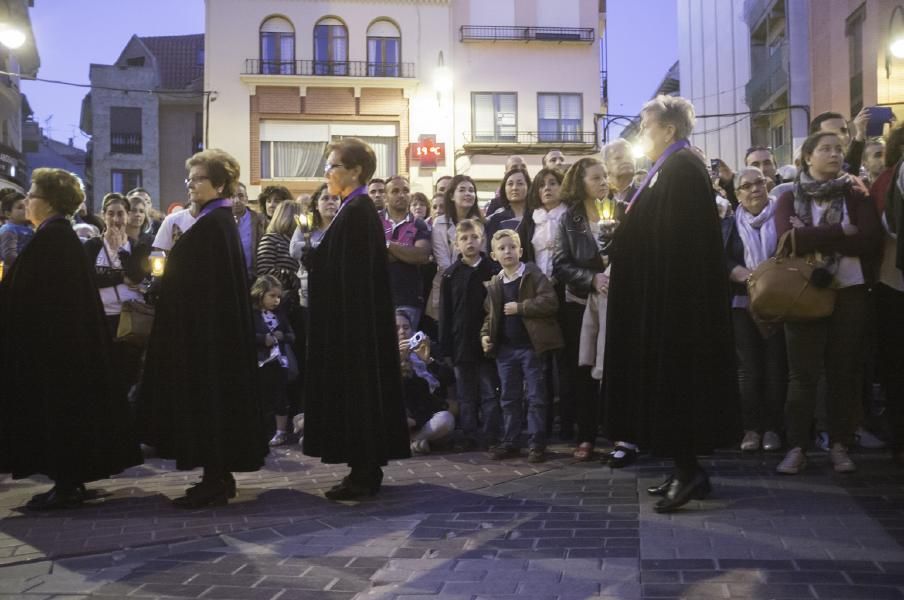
{"type": "Point", "coordinates": [213, 205]}
{"type": "Point", "coordinates": [675, 147]}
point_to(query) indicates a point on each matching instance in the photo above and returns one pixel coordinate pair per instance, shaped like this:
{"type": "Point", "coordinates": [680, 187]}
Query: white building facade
{"type": "Point", "coordinates": [482, 79]}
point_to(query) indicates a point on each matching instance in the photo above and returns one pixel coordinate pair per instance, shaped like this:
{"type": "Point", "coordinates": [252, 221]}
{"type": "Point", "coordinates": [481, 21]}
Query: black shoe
{"type": "Point", "coordinates": [680, 493]}
{"type": "Point", "coordinates": [228, 481]}
{"type": "Point", "coordinates": [350, 490]}
{"type": "Point", "coordinates": [206, 493]}
{"type": "Point", "coordinates": [504, 452]}
{"type": "Point", "coordinates": [620, 457]}
{"type": "Point", "coordinates": [662, 488]}
{"type": "Point", "coordinates": [58, 498]}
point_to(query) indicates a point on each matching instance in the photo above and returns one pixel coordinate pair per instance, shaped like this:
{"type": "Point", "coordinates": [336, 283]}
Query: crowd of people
{"type": "Point", "coordinates": [369, 322]}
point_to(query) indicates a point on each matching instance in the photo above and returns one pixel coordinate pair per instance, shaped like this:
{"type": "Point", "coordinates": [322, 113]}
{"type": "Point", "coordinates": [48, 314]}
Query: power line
{"type": "Point", "coordinates": [108, 88]}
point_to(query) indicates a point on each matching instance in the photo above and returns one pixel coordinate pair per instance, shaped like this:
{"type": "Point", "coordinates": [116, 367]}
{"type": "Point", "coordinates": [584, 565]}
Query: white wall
{"type": "Point", "coordinates": [714, 56]}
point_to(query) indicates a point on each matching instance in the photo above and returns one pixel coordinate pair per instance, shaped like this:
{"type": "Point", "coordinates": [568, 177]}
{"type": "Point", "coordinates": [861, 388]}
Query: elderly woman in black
{"type": "Point", "coordinates": [762, 365]}
{"type": "Point", "coordinates": [61, 413]}
{"type": "Point", "coordinates": [836, 219]}
{"type": "Point", "coordinates": [199, 403]}
{"type": "Point", "coordinates": [353, 399]}
{"type": "Point", "coordinates": [577, 263]}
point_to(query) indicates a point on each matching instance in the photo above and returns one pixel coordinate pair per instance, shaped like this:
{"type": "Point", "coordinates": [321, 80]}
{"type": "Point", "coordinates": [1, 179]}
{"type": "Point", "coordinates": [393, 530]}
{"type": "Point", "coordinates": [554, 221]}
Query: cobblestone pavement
{"type": "Point", "coordinates": [462, 527]}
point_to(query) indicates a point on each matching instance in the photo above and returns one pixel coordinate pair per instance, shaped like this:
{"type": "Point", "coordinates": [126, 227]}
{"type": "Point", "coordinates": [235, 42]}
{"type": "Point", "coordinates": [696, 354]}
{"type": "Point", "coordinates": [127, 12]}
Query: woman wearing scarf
{"type": "Point", "coordinates": [762, 364]}
{"type": "Point", "coordinates": [199, 402]}
{"type": "Point", "coordinates": [669, 361]}
{"type": "Point", "coordinates": [836, 220]}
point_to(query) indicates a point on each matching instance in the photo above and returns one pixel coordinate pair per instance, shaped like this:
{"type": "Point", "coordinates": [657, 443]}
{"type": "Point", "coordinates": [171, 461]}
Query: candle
{"type": "Point", "coordinates": [604, 209]}
{"type": "Point", "coordinates": [158, 263]}
{"type": "Point", "coordinates": [302, 220]}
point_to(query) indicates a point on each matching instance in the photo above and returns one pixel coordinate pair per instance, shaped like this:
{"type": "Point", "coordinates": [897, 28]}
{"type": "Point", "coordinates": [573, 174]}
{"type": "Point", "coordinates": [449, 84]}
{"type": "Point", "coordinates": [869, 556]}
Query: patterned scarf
{"type": "Point", "coordinates": [829, 194]}
{"type": "Point", "coordinates": [757, 232]}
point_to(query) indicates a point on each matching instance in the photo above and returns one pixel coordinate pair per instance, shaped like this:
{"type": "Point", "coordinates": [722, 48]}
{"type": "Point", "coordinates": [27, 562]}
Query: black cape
{"type": "Point", "coordinates": [61, 412]}
{"type": "Point", "coordinates": [670, 369]}
{"type": "Point", "coordinates": [354, 409]}
{"type": "Point", "coordinates": [199, 400]}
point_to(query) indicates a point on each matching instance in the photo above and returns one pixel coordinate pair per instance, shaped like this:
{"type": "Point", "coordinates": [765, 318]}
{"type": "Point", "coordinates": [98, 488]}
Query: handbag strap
{"type": "Point", "coordinates": [103, 243]}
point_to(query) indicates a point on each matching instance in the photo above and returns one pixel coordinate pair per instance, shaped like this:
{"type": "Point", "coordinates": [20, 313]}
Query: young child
{"type": "Point", "coordinates": [428, 417]}
{"type": "Point", "coordinates": [462, 294]}
{"type": "Point", "coordinates": [274, 335]}
{"type": "Point", "coordinates": [17, 231]}
{"type": "Point", "coordinates": [519, 327]}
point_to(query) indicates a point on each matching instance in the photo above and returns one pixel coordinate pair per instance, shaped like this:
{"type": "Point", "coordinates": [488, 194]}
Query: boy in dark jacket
{"type": "Point", "coordinates": [462, 294]}
{"type": "Point", "coordinates": [520, 326]}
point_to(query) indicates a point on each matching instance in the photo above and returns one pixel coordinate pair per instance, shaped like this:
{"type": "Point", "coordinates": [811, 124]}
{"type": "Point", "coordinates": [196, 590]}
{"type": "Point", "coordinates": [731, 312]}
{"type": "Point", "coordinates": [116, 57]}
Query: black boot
{"type": "Point", "coordinates": [362, 481]}
{"type": "Point", "coordinates": [61, 495]}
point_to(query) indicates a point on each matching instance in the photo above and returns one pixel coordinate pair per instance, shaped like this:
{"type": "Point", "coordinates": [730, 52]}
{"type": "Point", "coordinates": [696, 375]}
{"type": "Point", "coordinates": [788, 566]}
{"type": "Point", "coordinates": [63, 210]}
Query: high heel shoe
{"type": "Point", "coordinates": [206, 493]}
{"type": "Point", "coordinates": [680, 492]}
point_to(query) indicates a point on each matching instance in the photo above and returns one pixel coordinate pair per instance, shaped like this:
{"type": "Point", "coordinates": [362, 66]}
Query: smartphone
{"type": "Point", "coordinates": [714, 165]}
{"type": "Point", "coordinates": [416, 340]}
{"type": "Point", "coordinates": [878, 117]}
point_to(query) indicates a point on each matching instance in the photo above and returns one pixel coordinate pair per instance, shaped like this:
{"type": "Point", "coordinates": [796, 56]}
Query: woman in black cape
{"type": "Point", "coordinates": [669, 368]}
{"type": "Point", "coordinates": [200, 402]}
{"type": "Point", "coordinates": [354, 411]}
{"type": "Point", "coordinates": [61, 412]}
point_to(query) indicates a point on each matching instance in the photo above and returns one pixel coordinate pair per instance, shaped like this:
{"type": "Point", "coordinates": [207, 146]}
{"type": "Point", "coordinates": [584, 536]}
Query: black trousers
{"type": "Point", "coordinates": [762, 373]}
{"type": "Point", "coordinates": [890, 309]}
{"type": "Point", "coordinates": [579, 392]}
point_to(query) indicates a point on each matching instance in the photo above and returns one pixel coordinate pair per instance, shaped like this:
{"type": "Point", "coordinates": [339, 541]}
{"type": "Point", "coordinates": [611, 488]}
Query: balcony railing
{"type": "Point", "coordinates": [770, 78]}
{"type": "Point", "coordinates": [492, 33]}
{"type": "Point", "coordinates": [533, 137]}
{"type": "Point", "coordinates": [347, 68]}
{"type": "Point", "coordinates": [125, 143]}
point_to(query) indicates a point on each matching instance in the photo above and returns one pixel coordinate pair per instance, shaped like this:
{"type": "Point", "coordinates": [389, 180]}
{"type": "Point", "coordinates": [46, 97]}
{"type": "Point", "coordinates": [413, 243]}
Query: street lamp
{"type": "Point", "coordinates": [10, 36]}
{"type": "Point", "coordinates": [895, 40]}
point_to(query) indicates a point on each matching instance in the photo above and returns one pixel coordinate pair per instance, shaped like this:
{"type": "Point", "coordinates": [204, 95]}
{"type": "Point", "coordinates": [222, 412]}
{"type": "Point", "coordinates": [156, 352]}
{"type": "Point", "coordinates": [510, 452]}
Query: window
{"type": "Point", "coordinates": [330, 48]}
{"type": "Point", "coordinates": [559, 117]}
{"type": "Point", "coordinates": [125, 130]}
{"type": "Point", "coordinates": [124, 180]}
{"type": "Point", "coordinates": [854, 33]}
{"type": "Point", "coordinates": [298, 150]}
{"type": "Point", "coordinates": [137, 61]}
{"type": "Point", "coordinates": [778, 136]}
{"type": "Point", "coordinates": [277, 47]}
{"type": "Point", "coordinates": [494, 117]}
{"type": "Point", "coordinates": [384, 49]}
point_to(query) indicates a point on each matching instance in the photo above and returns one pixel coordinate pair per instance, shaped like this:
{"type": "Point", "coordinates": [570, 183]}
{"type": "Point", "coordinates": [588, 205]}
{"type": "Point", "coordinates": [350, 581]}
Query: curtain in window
{"type": "Point", "coordinates": [570, 120]}
{"type": "Point", "coordinates": [287, 54]}
{"type": "Point", "coordinates": [298, 159]}
{"type": "Point", "coordinates": [484, 117]}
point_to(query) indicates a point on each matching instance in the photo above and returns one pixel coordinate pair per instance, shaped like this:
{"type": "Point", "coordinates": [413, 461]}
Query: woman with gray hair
{"type": "Point", "coordinates": [669, 356]}
{"type": "Point", "coordinates": [750, 239]}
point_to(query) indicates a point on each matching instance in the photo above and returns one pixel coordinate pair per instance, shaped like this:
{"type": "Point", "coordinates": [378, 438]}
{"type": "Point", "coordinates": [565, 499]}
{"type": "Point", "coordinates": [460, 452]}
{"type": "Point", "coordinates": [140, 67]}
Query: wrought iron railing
{"type": "Point", "coordinates": [770, 76]}
{"type": "Point", "coordinates": [480, 33]}
{"type": "Point", "coordinates": [532, 137]}
{"type": "Point", "coordinates": [345, 68]}
{"type": "Point", "coordinates": [125, 143]}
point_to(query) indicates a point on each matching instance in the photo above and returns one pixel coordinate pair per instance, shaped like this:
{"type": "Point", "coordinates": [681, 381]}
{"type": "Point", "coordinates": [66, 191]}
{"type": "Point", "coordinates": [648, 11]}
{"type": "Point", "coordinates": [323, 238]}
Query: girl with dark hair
{"type": "Point", "coordinates": [836, 219]}
{"type": "Point", "coordinates": [513, 197]}
{"type": "Point", "coordinates": [459, 203]}
{"type": "Point", "coordinates": [578, 265]}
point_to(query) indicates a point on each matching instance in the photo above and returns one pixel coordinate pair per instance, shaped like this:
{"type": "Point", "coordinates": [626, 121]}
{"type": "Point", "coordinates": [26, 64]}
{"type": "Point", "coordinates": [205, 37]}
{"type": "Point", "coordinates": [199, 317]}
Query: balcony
{"type": "Point", "coordinates": [771, 77]}
{"type": "Point", "coordinates": [326, 68]}
{"type": "Point", "coordinates": [527, 140]}
{"type": "Point", "coordinates": [492, 33]}
{"type": "Point", "coordinates": [125, 143]}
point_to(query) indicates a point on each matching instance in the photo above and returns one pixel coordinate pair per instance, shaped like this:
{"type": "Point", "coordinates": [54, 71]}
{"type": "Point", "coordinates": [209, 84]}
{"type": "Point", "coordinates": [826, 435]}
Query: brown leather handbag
{"type": "Point", "coordinates": [781, 288]}
{"type": "Point", "coordinates": [135, 322]}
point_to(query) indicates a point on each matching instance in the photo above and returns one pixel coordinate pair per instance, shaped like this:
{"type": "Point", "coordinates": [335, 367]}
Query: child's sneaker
{"type": "Point", "coordinates": [536, 455]}
{"type": "Point", "coordinates": [279, 439]}
{"type": "Point", "coordinates": [503, 452]}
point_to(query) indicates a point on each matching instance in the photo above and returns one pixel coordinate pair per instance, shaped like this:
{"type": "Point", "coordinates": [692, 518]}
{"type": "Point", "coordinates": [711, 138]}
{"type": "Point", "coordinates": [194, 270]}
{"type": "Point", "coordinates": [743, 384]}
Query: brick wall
{"type": "Point", "coordinates": [382, 102]}
{"type": "Point", "coordinates": [329, 101]}
{"type": "Point", "coordinates": [282, 100]}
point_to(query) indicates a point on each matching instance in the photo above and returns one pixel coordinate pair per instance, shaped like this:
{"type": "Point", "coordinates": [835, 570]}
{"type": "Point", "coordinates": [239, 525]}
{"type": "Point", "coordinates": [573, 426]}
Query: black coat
{"type": "Point", "coordinates": [577, 257]}
{"type": "Point", "coordinates": [134, 264]}
{"type": "Point", "coordinates": [199, 401]}
{"type": "Point", "coordinates": [354, 412]}
{"type": "Point", "coordinates": [261, 330]}
{"type": "Point", "coordinates": [670, 368]}
{"type": "Point", "coordinates": [60, 412]}
{"type": "Point", "coordinates": [461, 318]}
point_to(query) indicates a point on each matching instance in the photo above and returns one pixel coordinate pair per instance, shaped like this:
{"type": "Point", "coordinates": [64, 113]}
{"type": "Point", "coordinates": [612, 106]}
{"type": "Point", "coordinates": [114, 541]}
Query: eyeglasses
{"type": "Point", "coordinates": [330, 166]}
{"type": "Point", "coordinates": [758, 182]}
{"type": "Point", "coordinates": [196, 180]}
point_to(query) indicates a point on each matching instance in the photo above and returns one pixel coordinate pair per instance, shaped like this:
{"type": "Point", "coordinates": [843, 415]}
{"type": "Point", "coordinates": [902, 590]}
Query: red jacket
{"type": "Point", "coordinates": [866, 244]}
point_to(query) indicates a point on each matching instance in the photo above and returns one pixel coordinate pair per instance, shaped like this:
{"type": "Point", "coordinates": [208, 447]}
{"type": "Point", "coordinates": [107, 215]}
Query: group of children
{"type": "Point", "coordinates": [496, 326]}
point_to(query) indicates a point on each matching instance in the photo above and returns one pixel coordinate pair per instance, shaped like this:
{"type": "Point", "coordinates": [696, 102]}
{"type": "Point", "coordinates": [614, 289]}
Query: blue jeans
{"type": "Point", "coordinates": [522, 369]}
{"type": "Point", "coordinates": [475, 386]}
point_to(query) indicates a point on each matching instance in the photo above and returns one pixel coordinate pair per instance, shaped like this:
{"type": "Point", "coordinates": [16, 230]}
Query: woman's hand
{"type": "Point", "coordinates": [404, 348]}
{"type": "Point", "coordinates": [423, 350]}
{"type": "Point", "coordinates": [795, 221]}
{"type": "Point", "coordinates": [486, 343]}
{"type": "Point", "coordinates": [510, 308]}
{"type": "Point", "coordinates": [740, 274]}
{"type": "Point", "coordinates": [269, 340]}
{"type": "Point", "coordinates": [116, 238]}
{"type": "Point", "coordinates": [601, 283]}
{"type": "Point", "coordinates": [279, 335]}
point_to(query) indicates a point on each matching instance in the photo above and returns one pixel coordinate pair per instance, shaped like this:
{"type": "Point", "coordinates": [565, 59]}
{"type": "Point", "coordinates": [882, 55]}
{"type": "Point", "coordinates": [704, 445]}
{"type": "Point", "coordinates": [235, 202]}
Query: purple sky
{"type": "Point", "coordinates": [71, 35]}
